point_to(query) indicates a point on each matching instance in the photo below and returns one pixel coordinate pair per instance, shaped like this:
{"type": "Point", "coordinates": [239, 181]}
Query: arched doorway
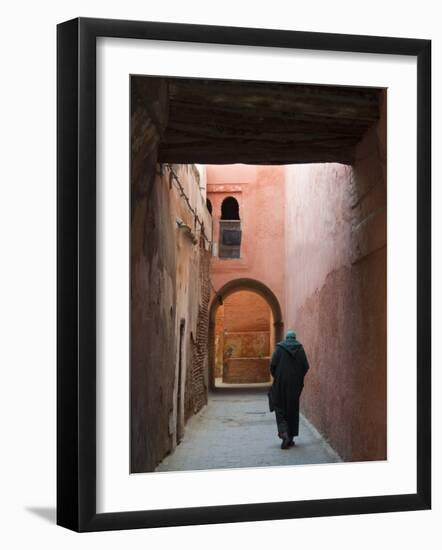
{"type": "Point", "coordinates": [234, 294]}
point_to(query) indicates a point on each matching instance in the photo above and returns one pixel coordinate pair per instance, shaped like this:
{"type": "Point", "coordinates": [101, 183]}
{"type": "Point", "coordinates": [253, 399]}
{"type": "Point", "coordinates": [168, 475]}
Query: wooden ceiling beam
{"type": "Point", "coordinates": [224, 122]}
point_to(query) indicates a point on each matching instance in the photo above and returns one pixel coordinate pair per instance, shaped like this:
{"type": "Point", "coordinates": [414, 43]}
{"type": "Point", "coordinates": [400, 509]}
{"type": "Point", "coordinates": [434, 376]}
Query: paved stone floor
{"type": "Point", "coordinates": [236, 430]}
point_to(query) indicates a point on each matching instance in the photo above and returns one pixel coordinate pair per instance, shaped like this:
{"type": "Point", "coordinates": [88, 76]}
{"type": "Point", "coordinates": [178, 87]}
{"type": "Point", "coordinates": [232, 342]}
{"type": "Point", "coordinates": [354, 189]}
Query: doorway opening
{"type": "Point", "coordinates": [244, 338]}
{"type": "Point", "coordinates": [245, 322]}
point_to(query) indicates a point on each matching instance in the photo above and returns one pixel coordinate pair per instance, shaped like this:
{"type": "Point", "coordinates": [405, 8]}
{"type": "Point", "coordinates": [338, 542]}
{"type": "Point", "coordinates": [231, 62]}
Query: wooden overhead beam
{"type": "Point", "coordinates": [225, 122]}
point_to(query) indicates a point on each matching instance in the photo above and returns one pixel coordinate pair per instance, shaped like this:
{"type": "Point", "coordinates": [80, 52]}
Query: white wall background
{"type": "Point", "coordinates": [27, 289]}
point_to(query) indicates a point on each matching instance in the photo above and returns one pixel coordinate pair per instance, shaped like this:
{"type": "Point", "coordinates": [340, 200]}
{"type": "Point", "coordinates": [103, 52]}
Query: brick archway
{"type": "Point", "coordinates": [230, 288]}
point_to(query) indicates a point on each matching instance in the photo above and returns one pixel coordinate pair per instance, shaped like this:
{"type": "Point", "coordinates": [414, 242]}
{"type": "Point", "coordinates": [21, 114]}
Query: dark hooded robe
{"type": "Point", "coordinates": [288, 366]}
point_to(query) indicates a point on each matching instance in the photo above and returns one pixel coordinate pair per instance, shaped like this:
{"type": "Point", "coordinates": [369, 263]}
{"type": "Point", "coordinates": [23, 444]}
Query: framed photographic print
{"type": "Point", "coordinates": [243, 274]}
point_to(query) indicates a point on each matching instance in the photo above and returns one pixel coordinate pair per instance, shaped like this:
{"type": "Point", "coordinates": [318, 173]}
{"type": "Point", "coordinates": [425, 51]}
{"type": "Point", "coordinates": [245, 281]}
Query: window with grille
{"type": "Point", "coordinates": [229, 229]}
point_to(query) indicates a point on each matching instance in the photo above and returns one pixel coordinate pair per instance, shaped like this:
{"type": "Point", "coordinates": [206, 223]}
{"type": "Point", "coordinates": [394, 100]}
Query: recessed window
{"type": "Point", "coordinates": [229, 229]}
{"type": "Point", "coordinates": [230, 209]}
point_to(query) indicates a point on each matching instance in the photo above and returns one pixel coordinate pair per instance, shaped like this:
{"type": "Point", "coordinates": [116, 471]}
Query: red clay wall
{"type": "Point", "coordinates": [336, 294]}
{"type": "Point", "coordinates": [248, 344]}
{"type": "Point", "coordinates": [246, 370]}
{"type": "Point", "coordinates": [246, 311]}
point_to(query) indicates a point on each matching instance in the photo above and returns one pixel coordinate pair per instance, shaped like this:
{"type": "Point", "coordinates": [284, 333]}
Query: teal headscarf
{"type": "Point", "coordinates": [290, 343]}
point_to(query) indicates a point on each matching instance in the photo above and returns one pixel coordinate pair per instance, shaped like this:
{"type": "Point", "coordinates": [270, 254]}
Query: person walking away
{"type": "Point", "coordinates": [288, 366]}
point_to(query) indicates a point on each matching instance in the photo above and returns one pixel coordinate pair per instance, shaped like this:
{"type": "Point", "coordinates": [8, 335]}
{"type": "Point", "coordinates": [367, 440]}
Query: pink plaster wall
{"type": "Point", "coordinates": [336, 293]}
{"type": "Point", "coordinates": [260, 192]}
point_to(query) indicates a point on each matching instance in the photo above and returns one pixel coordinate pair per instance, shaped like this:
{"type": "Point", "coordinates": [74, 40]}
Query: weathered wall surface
{"type": "Point", "coordinates": [192, 296]}
{"type": "Point", "coordinates": [246, 370]}
{"type": "Point", "coordinates": [153, 275]}
{"type": "Point", "coordinates": [198, 369]}
{"type": "Point", "coordinates": [248, 344]}
{"type": "Point", "coordinates": [218, 344]}
{"type": "Point", "coordinates": [169, 287]}
{"type": "Point", "coordinates": [336, 294]}
{"type": "Point", "coordinates": [246, 311]}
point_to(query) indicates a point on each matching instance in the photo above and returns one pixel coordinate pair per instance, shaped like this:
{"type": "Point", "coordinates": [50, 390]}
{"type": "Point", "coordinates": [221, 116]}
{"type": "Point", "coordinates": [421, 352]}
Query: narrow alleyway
{"type": "Point", "coordinates": [236, 430]}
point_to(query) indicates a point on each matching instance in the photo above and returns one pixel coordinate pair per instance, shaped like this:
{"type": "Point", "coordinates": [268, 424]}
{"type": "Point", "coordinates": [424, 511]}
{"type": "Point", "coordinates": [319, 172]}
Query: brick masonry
{"type": "Point", "coordinates": [197, 386]}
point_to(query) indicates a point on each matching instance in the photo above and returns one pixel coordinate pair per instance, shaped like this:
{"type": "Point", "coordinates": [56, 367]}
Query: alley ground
{"type": "Point", "coordinates": [236, 430]}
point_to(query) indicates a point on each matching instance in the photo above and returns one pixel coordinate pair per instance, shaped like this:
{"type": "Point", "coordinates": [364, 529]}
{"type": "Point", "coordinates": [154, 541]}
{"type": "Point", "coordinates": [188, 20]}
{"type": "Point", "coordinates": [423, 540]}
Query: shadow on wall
{"type": "Point", "coordinates": [46, 513]}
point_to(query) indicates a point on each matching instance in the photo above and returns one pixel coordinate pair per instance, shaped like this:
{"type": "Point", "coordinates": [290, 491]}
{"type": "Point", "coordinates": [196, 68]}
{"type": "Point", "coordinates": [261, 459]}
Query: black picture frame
{"type": "Point", "coordinates": [76, 273]}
